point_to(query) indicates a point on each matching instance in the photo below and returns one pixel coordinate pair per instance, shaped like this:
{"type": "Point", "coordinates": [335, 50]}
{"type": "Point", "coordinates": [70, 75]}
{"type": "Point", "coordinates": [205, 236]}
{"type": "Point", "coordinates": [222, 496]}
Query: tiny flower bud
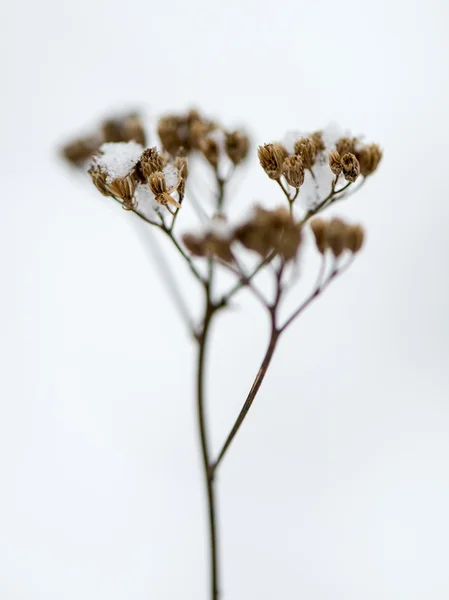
{"type": "Point", "coordinates": [369, 158]}
{"type": "Point", "coordinates": [355, 238]}
{"type": "Point", "coordinates": [237, 146]}
{"type": "Point", "coordinates": [307, 150]}
{"type": "Point", "coordinates": [351, 167]}
{"type": "Point", "coordinates": [293, 171]}
{"type": "Point", "coordinates": [271, 158]}
{"type": "Point", "coordinates": [319, 230]}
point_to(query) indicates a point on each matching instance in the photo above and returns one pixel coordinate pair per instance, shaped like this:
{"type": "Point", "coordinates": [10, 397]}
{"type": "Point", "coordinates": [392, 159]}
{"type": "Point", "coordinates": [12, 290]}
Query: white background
{"type": "Point", "coordinates": [337, 487]}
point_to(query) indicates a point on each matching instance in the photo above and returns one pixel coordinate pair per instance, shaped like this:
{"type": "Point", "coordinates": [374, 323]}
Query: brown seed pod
{"type": "Point", "coordinates": [99, 180]}
{"type": "Point", "coordinates": [319, 230]}
{"type": "Point", "coordinates": [307, 150]}
{"type": "Point", "coordinates": [271, 158]}
{"type": "Point", "coordinates": [124, 188]}
{"type": "Point", "coordinates": [293, 171]}
{"type": "Point", "coordinates": [335, 162]}
{"type": "Point", "coordinates": [355, 238]}
{"type": "Point", "coordinates": [351, 167]}
{"type": "Point", "coordinates": [237, 146]}
{"type": "Point", "coordinates": [369, 158]}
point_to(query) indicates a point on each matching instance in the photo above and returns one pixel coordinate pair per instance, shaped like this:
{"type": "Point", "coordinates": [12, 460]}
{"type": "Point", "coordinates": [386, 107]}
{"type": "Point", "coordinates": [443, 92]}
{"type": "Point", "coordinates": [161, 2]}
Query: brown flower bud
{"type": "Point", "coordinates": [237, 146]}
{"type": "Point", "coordinates": [123, 188]}
{"type": "Point", "coordinates": [293, 171]}
{"type": "Point", "coordinates": [210, 150]}
{"type": "Point", "coordinates": [319, 230]}
{"type": "Point", "coordinates": [337, 236]}
{"type": "Point", "coordinates": [351, 167]}
{"type": "Point", "coordinates": [345, 145]}
{"type": "Point", "coordinates": [335, 162]}
{"type": "Point", "coordinates": [194, 244]}
{"type": "Point", "coordinates": [150, 162]}
{"type": "Point", "coordinates": [369, 158]}
{"type": "Point", "coordinates": [355, 238]}
{"type": "Point", "coordinates": [99, 180]}
{"type": "Point", "coordinates": [271, 158]}
{"type": "Point", "coordinates": [307, 150]}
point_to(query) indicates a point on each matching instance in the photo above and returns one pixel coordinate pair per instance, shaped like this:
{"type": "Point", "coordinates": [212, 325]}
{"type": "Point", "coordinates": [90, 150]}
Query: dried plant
{"type": "Point", "coordinates": [317, 170]}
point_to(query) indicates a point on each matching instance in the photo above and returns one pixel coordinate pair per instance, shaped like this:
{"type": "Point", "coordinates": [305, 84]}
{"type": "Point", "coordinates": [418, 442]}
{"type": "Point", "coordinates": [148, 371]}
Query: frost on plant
{"type": "Point", "coordinates": [307, 172]}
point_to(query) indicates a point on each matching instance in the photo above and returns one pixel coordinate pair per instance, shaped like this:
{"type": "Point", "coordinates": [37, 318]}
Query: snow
{"type": "Point", "coordinates": [146, 203]}
{"type": "Point", "coordinates": [118, 159]}
{"type": "Point", "coordinates": [171, 174]}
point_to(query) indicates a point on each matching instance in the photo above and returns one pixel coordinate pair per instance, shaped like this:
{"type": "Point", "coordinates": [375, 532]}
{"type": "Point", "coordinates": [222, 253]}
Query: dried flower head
{"type": "Point", "coordinates": [194, 244]}
{"type": "Point", "coordinates": [345, 145]}
{"type": "Point", "coordinates": [150, 162]}
{"type": "Point", "coordinates": [80, 150]}
{"type": "Point", "coordinates": [172, 132]}
{"type": "Point", "coordinates": [210, 151]}
{"type": "Point", "coordinates": [124, 188]}
{"type": "Point", "coordinates": [307, 150]}
{"type": "Point", "coordinates": [319, 230]}
{"type": "Point", "coordinates": [271, 230]}
{"type": "Point", "coordinates": [181, 163]}
{"type": "Point", "coordinates": [337, 236]}
{"type": "Point", "coordinates": [237, 146]}
{"type": "Point", "coordinates": [132, 129]}
{"type": "Point", "coordinates": [293, 171]}
{"type": "Point", "coordinates": [271, 158]}
{"type": "Point", "coordinates": [158, 186]}
{"type": "Point", "coordinates": [369, 158]}
{"type": "Point", "coordinates": [317, 140]}
{"type": "Point", "coordinates": [351, 167]}
{"type": "Point", "coordinates": [335, 162]}
{"type": "Point", "coordinates": [355, 238]}
{"type": "Point", "coordinates": [197, 131]}
{"type": "Point", "coordinates": [99, 180]}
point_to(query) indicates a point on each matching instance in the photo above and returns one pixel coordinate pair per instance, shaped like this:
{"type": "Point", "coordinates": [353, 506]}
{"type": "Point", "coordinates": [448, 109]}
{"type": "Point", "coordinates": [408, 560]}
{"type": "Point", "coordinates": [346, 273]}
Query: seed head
{"type": "Point", "coordinates": [182, 164]}
{"type": "Point", "coordinates": [99, 180]}
{"type": "Point", "coordinates": [355, 238]}
{"type": "Point", "coordinates": [335, 162]}
{"type": "Point", "coordinates": [172, 132]}
{"type": "Point", "coordinates": [345, 145]}
{"type": "Point", "coordinates": [351, 167]}
{"type": "Point", "coordinates": [150, 162]}
{"type": "Point", "coordinates": [132, 129]}
{"type": "Point", "coordinates": [124, 188]}
{"type": "Point", "coordinates": [319, 230]}
{"type": "Point", "coordinates": [271, 158]}
{"type": "Point", "coordinates": [195, 245]}
{"type": "Point", "coordinates": [369, 158]}
{"type": "Point", "coordinates": [307, 150]}
{"type": "Point", "coordinates": [337, 236]}
{"type": "Point", "coordinates": [79, 151]}
{"type": "Point", "coordinates": [293, 171]}
{"type": "Point", "coordinates": [210, 150]}
{"type": "Point", "coordinates": [237, 146]}
{"type": "Point", "coordinates": [158, 186]}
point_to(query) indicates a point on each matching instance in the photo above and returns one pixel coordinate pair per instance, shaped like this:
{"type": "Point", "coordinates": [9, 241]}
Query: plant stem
{"type": "Point", "coordinates": [251, 395]}
{"type": "Point", "coordinates": [208, 475]}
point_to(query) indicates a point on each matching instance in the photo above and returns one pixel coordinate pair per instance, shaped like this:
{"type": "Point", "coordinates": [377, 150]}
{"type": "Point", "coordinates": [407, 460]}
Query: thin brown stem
{"type": "Point", "coordinates": [202, 423]}
{"type": "Point", "coordinates": [251, 395]}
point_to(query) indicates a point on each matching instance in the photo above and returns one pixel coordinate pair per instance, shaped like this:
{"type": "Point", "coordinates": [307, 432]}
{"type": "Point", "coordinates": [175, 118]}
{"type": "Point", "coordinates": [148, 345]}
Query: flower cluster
{"type": "Point", "coordinates": [123, 169]}
{"type": "Point", "coordinates": [126, 128]}
{"type": "Point", "coordinates": [316, 161]}
{"type": "Point", "coordinates": [191, 131]}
